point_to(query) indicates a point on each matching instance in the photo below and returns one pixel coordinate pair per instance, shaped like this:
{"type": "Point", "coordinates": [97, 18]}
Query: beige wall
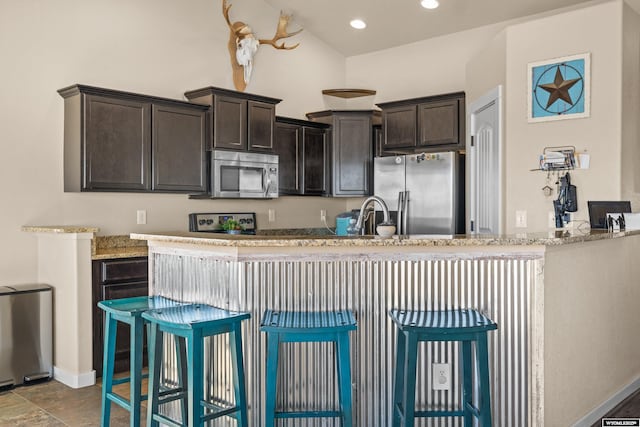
{"type": "Point", "coordinates": [487, 68]}
{"type": "Point", "coordinates": [591, 350]}
{"type": "Point", "coordinates": [600, 134]}
{"type": "Point", "coordinates": [630, 106]}
{"type": "Point", "coordinates": [159, 47]}
{"type": "Point", "coordinates": [486, 71]}
{"type": "Point", "coordinates": [428, 67]}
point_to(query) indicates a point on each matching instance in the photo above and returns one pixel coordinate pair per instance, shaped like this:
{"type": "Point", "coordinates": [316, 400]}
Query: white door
{"type": "Point", "coordinates": [486, 164]}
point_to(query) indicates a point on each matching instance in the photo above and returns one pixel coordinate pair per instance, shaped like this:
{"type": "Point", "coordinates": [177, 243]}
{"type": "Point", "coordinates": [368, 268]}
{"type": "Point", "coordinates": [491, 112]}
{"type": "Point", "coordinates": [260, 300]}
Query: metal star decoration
{"type": "Point", "coordinates": [559, 89]}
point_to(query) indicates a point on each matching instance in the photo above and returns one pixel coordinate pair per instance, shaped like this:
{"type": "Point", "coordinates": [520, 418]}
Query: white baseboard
{"type": "Point", "coordinates": [606, 406]}
{"type": "Point", "coordinates": [74, 380]}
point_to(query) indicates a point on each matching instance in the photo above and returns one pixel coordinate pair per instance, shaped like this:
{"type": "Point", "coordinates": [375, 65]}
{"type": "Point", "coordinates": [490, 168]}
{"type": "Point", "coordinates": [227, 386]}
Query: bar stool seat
{"type": "Point", "coordinates": [295, 326]}
{"type": "Point", "coordinates": [193, 323]}
{"type": "Point", "coordinates": [129, 311]}
{"type": "Point", "coordinates": [466, 326]}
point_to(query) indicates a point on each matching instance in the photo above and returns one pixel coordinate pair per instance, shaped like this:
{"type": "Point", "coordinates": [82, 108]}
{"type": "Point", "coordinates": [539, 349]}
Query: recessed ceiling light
{"type": "Point", "coordinates": [358, 24]}
{"type": "Point", "coordinates": [430, 4]}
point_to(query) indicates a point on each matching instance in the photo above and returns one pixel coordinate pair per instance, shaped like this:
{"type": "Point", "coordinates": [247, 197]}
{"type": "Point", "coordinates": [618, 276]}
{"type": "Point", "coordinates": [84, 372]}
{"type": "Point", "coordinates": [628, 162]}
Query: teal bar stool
{"type": "Point", "coordinates": [129, 311]}
{"type": "Point", "coordinates": [194, 323]}
{"type": "Point", "coordinates": [288, 326]}
{"type": "Point", "coordinates": [466, 326]}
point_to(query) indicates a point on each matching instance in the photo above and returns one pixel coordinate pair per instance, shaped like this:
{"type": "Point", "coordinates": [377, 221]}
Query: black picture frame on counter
{"type": "Point", "coordinates": [598, 211]}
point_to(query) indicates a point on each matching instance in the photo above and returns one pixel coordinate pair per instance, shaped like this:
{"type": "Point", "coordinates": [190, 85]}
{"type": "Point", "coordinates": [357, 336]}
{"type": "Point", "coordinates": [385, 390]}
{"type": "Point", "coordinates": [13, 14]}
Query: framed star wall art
{"type": "Point", "coordinates": [559, 88]}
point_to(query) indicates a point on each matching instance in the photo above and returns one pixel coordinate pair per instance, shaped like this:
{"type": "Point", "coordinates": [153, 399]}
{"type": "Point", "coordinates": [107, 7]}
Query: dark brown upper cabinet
{"type": "Point", "coordinates": [229, 123]}
{"type": "Point", "coordinates": [121, 141]}
{"type": "Point", "coordinates": [315, 146]}
{"type": "Point", "coordinates": [179, 149]}
{"type": "Point", "coordinates": [240, 121]}
{"type": "Point", "coordinates": [288, 147]}
{"type": "Point", "coordinates": [303, 148]}
{"type": "Point", "coordinates": [439, 122]}
{"type": "Point", "coordinates": [400, 126]}
{"type": "Point", "coordinates": [426, 124]}
{"type": "Point", "coordinates": [350, 150]}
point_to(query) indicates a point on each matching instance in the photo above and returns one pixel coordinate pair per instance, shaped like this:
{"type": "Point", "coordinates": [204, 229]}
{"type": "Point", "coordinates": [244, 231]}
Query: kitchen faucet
{"type": "Point", "coordinates": [383, 205]}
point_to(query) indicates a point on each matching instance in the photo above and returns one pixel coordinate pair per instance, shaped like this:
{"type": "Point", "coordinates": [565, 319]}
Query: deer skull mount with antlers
{"type": "Point", "coordinates": [243, 45]}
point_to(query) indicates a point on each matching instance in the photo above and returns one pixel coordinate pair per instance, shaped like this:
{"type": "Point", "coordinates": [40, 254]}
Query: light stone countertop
{"type": "Point", "coordinates": [118, 246]}
{"type": "Point", "coordinates": [58, 229]}
{"type": "Point", "coordinates": [552, 238]}
{"type": "Point", "coordinates": [102, 247]}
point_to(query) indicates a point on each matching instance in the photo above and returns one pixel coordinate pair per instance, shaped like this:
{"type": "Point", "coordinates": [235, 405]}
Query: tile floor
{"type": "Point", "coordinates": [53, 404]}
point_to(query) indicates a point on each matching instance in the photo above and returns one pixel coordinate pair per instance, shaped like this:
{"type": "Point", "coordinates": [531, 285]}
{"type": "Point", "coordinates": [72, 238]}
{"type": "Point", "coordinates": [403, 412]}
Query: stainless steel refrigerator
{"type": "Point", "coordinates": [424, 192]}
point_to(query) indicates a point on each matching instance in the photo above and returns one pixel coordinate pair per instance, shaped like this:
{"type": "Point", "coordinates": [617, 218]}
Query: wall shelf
{"type": "Point", "coordinates": [557, 159]}
{"type": "Point", "coordinates": [348, 93]}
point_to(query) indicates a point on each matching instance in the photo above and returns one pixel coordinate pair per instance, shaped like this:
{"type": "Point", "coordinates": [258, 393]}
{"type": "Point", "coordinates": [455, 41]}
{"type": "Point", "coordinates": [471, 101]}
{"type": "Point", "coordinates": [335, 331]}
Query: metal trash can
{"type": "Point", "coordinates": [26, 346]}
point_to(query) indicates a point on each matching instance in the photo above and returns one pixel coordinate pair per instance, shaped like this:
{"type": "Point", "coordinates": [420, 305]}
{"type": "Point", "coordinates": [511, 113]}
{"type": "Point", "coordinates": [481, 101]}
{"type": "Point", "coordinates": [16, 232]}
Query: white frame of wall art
{"type": "Point", "coordinates": [559, 88]}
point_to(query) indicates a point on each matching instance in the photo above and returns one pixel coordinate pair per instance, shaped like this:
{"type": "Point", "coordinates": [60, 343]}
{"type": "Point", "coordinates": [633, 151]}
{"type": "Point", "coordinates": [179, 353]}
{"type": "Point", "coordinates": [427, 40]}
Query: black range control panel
{"type": "Point", "coordinates": [212, 222]}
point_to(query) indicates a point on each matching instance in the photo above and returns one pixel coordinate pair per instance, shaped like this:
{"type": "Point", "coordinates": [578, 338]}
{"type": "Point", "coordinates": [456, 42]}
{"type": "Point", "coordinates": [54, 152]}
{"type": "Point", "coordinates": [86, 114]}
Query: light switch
{"type": "Point", "coordinates": [141, 217]}
{"type": "Point", "coordinates": [521, 219]}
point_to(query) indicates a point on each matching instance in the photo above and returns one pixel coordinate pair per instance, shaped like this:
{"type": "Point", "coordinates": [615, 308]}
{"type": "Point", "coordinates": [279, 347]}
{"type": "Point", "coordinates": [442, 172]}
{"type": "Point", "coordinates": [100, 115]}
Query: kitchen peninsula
{"type": "Point", "coordinates": [561, 316]}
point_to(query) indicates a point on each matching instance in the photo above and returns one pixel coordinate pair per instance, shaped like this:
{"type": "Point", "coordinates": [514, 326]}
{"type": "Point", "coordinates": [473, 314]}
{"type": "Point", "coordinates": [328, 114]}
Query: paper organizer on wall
{"type": "Point", "coordinates": [563, 158]}
{"type": "Point", "coordinates": [559, 88]}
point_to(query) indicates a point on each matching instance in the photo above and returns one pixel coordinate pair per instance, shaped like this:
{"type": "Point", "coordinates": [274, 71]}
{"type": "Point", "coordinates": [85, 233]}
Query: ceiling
{"type": "Point", "coordinates": [393, 23]}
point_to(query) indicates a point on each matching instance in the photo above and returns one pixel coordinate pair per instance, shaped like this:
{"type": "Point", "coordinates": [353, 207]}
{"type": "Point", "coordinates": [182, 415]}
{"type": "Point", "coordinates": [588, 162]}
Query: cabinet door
{"type": "Point", "coordinates": [117, 144]}
{"type": "Point", "coordinates": [438, 123]}
{"type": "Point", "coordinates": [230, 123]}
{"type": "Point", "coordinates": [352, 154]}
{"type": "Point", "coordinates": [123, 290]}
{"type": "Point", "coordinates": [261, 119]}
{"type": "Point", "coordinates": [287, 146]}
{"type": "Point", "coordinates": [399, 125]}
{"type": "Point", "coordinates": [179, 149]}
{"type": "Point", "coordinates": [378, 139]}
{"type": "Point", "coordinates": [315, 161]}
{"type": "Point", "coordinates": [114, 279]}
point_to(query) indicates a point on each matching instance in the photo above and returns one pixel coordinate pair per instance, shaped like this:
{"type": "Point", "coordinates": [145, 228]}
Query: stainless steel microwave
{"type": "Point", "coordinates": [236, 174]}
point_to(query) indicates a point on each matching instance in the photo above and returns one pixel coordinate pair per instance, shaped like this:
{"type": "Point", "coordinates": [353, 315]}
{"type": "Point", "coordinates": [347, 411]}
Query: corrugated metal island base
{"type": "Point", "coordinates": [369, 277]}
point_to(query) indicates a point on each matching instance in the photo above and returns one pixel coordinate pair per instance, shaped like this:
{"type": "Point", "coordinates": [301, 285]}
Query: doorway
{"type": "Point", "coordinates": [485, 164]}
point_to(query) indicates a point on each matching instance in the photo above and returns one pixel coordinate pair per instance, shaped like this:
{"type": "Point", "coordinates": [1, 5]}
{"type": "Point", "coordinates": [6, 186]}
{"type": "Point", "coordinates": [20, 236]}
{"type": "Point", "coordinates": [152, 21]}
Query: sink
{"type": "Point", "coordinates": [425, 236]}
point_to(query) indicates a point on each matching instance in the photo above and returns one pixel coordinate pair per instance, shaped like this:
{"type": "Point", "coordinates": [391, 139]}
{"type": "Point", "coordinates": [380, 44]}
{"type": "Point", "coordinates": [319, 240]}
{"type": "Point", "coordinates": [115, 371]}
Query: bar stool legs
{"type": "Point", "coordinates": [343, 359]}
{"type": "Point", "coordinates": [113, 314]}
{"type": "Point", "coordinates": [482, 353]}
{"type": "Point", "coordinates": [467, 384]}
{"type": "Point", "coordinates": [240, 391]}
{"type": "Point", "coordinates": [298, 327]}
{"type": "Point", "coordinates": [108, 363]}
{"type": "Point", "coordinates": [193, 323]}
{"type": "Point", "coordinates": [463, 326]}
{"type": "Point", "coordinates": [273, 354]}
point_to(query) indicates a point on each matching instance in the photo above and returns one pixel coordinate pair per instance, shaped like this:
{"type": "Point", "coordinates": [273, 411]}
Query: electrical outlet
{"type": "Point", "coordinates": [323, 215]}
{"type": "Point", "coordinates": [141, 217]}
{"type": "Point", "coordinates": [441, 376]}
{"type": "Point", "coordinates": [521, 219]}
{"type": "Point", "coordinates": [272, 215]}
{"type": "Point", "coordinates": [552, 220]}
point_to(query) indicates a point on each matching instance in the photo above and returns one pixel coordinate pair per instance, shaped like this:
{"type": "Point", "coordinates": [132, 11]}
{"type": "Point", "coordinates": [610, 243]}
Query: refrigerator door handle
{"type": "Point", "coordinates": [400, 216]}
{"type": "Point", "coordinates": [405, 211]}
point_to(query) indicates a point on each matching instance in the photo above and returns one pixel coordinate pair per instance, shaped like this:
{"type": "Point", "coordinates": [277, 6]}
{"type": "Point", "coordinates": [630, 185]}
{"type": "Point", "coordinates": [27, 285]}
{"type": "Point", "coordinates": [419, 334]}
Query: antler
{"type": "Point", "coordinates": [225, 12]}
{"type": "Point", "coordinates": [281, 33]}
